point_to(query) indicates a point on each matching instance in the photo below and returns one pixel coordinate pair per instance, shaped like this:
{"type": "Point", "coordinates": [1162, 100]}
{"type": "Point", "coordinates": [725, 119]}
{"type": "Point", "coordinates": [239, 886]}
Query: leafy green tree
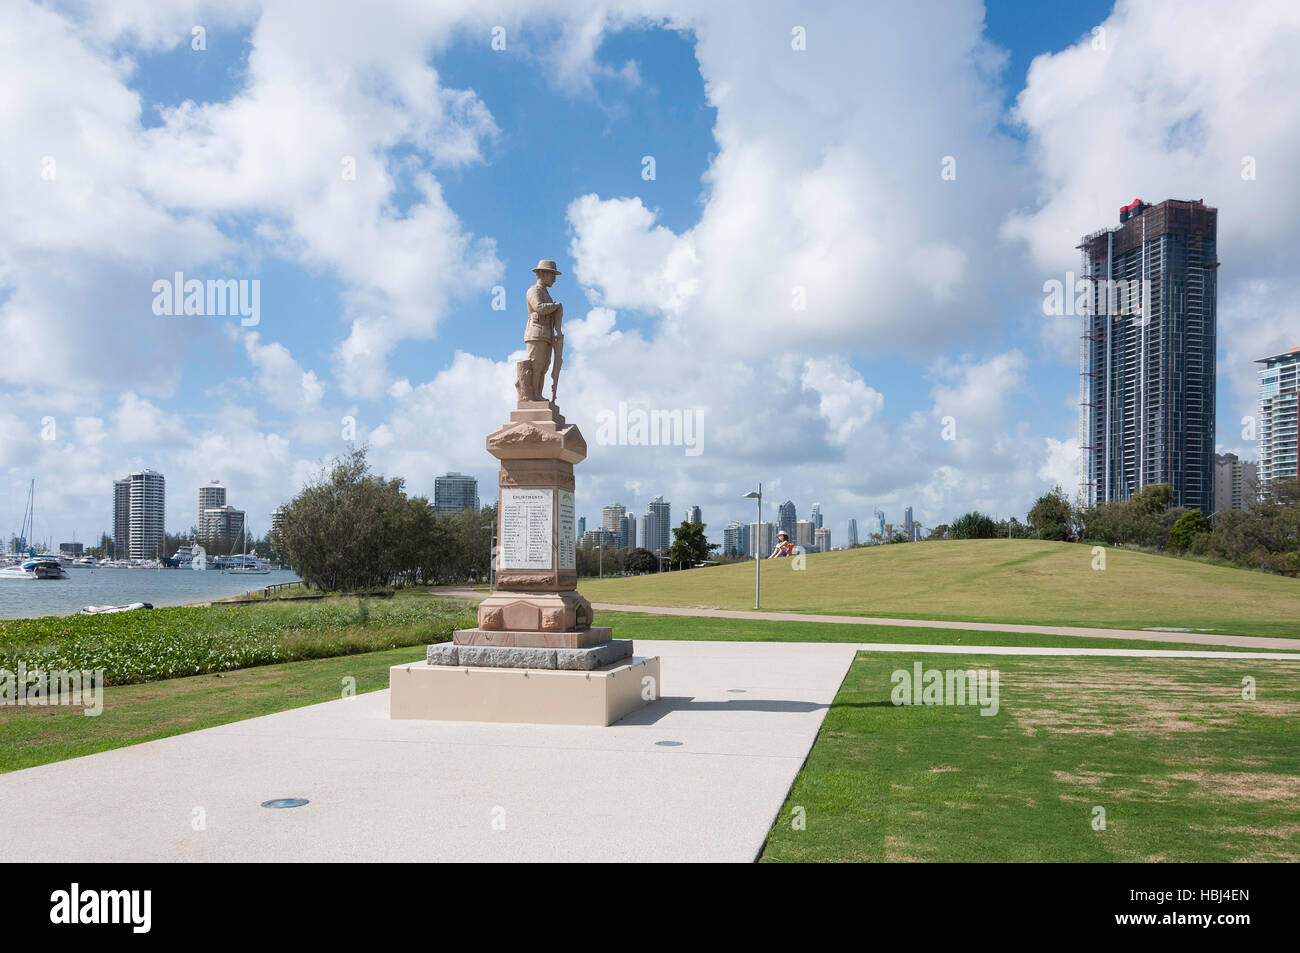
{"type": "Point", "coordinates": [689, 545]}
{"type": "Point", "coordinates": [595, 561]}
{"type": "Point", "coordinates": [351, 530]}
{"type": "Point", "coordinates": [1051, 516]}
{"type": "Point", "coordinates": [973, 525]}
{"type": "Point", "coordinates": [1153, 499]}
{"type": "Point", "coordinates": [1189, 526]}
{"type": "Point", "coordinates": [640, 560]}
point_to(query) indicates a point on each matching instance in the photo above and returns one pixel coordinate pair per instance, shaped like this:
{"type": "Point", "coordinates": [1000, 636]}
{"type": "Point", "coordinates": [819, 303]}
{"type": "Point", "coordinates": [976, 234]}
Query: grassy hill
{"type": "Point", "coordinates": [988, 580]}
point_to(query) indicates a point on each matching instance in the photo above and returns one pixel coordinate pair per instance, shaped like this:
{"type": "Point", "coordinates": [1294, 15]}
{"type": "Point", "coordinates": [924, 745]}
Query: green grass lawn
{"type": "Point", "coordinates": [642, 625]}
{"type": "Point", "coordinates": [136, 713]}
{"type": "Point", "coordinates": [988, 580]}
{"type": "Point", "coordinates": [1184, 767]}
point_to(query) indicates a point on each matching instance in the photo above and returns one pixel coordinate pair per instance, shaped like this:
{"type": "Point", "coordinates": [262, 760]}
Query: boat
{"type": "Point", "coordinates": [108, 610]}
{"type": "Point", "coordinates": [34, 565]}
{"type": "Point", "coordinates": [87, 561]}
{"type": "Point", "coordinates": [247, 565]}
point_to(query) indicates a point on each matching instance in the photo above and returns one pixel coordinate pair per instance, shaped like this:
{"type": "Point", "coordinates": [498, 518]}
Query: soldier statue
{"type": "Point", "coordinates": [542, 336]}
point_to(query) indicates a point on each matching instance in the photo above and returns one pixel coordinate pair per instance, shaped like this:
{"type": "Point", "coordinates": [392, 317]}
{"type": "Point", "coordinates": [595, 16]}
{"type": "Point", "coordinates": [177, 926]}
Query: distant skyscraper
{"type": "Point", "coordinates": [816, 516]}
{"type": "Point", "coordinates": [148, 514]}
{"type": "Point", "coordinates": [121, 518]}
{"type": "Point", "coordinates": [211, 494]}
{"type": "Point", "coordinates": [611, 517]}
{"type": "Point", "coordinates": [658, 530]}
{"type": "Point", "coordinates": [822, 540]}
{"type": "Point", "coordinates": [786, 518]}
{"type": "Point", "coordinates": [582, 526]}
{"type": "Point", "coordinates": [907, 522]}
{"type": "Point", "coordinates": [643, 531]}
{"type": "Point", "coordinates": [1279, 419]}
{"type": "Point", "coordinates": [628, 531]}
{"type": "Point", "coordinates": [803, 533]}
{"type": "Point", "coordinates": [1147, 354]}
{"type": "Point", "coordinates": [693, 515]}
{"type": "Point", "coordinates": [605, 538]}
{"type": "Point", "coordinates": [735, 539]}
{"type": "Point", "coordinates": [220, 523]}
{"type": "Point", "coordinates": [762, 539]}
{"type": "Point", "coordinates": [879, 518]}
{"type": "Point", "coordinates": [1234, 482]}
{"type": "Point", "coordinates": [277, 527]}
{"type": "Point", "coordinates": [853, 533]}
{"type": "Point", "coordinates": [453, 492]}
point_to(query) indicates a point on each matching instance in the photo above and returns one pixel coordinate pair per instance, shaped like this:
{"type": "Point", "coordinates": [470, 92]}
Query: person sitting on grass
{"type": "Point", "coordinates": [783, 546]}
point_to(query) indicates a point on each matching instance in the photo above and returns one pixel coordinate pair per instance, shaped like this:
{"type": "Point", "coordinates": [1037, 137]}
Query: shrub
{"type": "Point", "coordinates": [973, 525]}
{"type": "Point", "coordinates": [1187, 528]}
{"type": "Point", "coordinates": [1051, 517]}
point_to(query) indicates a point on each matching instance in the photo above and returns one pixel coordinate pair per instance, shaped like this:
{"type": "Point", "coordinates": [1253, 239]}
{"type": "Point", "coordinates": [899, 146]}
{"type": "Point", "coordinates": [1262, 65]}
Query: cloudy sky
{"type": "Point", "coordinates": [827, 231]}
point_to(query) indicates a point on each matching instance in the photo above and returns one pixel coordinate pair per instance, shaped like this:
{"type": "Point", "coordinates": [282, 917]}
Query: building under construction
{"type": "Point", "coordinates": [1147, 354]}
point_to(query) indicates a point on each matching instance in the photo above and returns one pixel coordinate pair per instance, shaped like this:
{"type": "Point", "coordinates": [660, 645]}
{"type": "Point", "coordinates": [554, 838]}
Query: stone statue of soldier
{"type": "Point", "coordinates": [542, 335]}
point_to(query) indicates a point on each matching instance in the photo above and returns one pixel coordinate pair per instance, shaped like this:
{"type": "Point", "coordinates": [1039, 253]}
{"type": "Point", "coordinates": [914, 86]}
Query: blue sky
{"type": "Point", "coordinates": [773, 168]}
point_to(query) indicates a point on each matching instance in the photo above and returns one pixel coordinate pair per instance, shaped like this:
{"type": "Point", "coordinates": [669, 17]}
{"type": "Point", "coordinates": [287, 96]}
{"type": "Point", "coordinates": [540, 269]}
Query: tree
{"type": "Point", "coordinates": [1152, 499]}
{"type": "Point", "coordinates": [640, 560]}
{"type": "Point", "coordinates": [939, 532]}
{"type": "Point", "coordinates": [1189, 526]}
{"type": "Point", "coordinates": [973, 525]}
{"type": "Point", "coordinates": [689, 545]}
{"type": "Point", "coordinates": [352, 530]}
{"type": "Point", "coordinates": [1051, 516]}
{"type": "Point", "coordinates": [596, 560]}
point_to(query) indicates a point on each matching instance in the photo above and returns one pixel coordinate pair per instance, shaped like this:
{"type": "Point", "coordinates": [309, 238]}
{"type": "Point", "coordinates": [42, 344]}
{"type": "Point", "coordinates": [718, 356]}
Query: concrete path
{"type": "Point", "coordinates": [1146, 635]}
{"type": "Point", "coordinates": [931, 649]}
{"type": "Point", "coordinates": [745, 715]}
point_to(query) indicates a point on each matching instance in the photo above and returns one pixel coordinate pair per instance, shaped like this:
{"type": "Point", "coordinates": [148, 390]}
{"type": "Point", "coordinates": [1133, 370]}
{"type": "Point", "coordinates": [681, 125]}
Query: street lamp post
{"type": "Point", "coordinates": [758, 556]}
{"type": "Point", "coordinates": [600, 556]}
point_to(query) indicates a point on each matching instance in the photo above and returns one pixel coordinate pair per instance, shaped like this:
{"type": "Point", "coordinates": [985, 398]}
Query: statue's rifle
{"type": "Point", "coordinates": [555, 364]}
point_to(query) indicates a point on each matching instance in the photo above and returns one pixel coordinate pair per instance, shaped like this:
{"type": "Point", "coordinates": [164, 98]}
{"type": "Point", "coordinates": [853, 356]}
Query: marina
{"type": "Point", "coordinates": [112, 585]}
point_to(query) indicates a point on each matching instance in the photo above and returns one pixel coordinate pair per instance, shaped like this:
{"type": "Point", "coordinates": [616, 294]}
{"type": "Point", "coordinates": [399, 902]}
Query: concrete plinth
{"type": "Point", "coordinates": [511, 656]}
{"type": "Point", "coordinates": [528, 696]}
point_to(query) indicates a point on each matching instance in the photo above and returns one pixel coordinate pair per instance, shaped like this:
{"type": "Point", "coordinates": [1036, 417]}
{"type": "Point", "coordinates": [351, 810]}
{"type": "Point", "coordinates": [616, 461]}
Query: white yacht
{"type": "Point", "coordinates": [249, 565]}
{"type": "Point", "coordinates": [34, 565]}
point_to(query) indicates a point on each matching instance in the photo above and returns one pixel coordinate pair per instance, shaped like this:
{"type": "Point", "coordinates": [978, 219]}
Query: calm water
{"type": "Point", "coordinates": [22, 598]}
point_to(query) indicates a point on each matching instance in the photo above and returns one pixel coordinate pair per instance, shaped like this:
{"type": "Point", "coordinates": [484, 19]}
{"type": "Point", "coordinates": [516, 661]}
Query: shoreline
{"type": "Point", "coordinates": [19, 602]}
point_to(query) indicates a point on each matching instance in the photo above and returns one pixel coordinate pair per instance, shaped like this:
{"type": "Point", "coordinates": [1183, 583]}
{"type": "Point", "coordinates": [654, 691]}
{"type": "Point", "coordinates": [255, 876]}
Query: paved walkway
{"type": "Point", "coordinates": [1145, 635]}
{"type": "Point", "coordinates": [745, 715]}
{"type": "Point", "coordinates": [931, 649]}
{"type": "Point", "coordinates": [741, 717]}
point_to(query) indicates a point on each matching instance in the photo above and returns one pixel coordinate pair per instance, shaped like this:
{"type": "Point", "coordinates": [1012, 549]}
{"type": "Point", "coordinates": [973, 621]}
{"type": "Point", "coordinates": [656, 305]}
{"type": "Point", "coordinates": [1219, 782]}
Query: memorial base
{"type": "Point", "coordinates": [419, 691]}
{"type": "Point", "coordinates": [581, 638]}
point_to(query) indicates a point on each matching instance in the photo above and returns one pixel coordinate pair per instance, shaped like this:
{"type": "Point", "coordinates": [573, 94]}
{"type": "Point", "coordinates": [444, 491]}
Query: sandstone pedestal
{"type": "Point", "coordinates": [534, 655]}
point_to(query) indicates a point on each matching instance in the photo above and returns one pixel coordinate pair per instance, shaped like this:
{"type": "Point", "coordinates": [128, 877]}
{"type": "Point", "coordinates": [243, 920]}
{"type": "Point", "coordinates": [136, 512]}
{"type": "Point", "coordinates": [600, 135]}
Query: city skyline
{"type": "Point", "coordinates": [391, 257]}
